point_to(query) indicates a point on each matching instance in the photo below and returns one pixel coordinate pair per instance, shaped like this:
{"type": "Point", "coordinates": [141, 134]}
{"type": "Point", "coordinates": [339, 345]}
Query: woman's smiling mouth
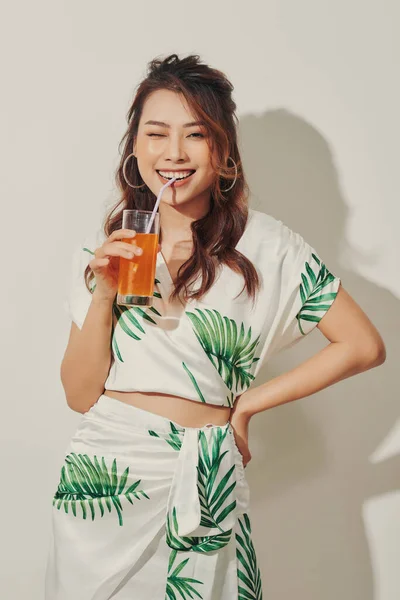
{"type": "Point", "coordinates": [181, 176]}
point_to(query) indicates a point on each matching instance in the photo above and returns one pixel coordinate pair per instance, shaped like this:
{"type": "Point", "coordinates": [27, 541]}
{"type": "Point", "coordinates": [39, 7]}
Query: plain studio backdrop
{"type": "Point", "coordinates": [317, 90]}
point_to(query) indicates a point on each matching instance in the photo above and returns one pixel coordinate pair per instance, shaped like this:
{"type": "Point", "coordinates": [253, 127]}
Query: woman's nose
{"type": "Point", "coordinates": [176, 150]}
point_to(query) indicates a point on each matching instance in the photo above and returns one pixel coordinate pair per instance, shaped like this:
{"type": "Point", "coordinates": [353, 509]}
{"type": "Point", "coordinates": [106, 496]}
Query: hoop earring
{"type": "Point", "coordinates": [236, 174]}
{"type": "Point", "coordinates": [136, 187]}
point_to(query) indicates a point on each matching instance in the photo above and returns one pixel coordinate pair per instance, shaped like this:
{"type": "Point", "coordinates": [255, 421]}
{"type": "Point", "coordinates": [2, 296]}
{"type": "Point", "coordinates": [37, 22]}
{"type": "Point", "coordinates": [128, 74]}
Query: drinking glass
{"type": "Point", "coordinates": [136, 275]}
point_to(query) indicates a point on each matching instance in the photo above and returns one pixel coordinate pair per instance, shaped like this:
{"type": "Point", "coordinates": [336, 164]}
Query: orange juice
{"type": "Point", "coordinates": [136, 275]}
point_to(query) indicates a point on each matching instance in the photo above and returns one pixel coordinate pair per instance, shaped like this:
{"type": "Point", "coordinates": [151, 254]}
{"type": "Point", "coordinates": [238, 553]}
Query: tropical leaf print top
{"type": "Point", "coordinates": [211, 350]}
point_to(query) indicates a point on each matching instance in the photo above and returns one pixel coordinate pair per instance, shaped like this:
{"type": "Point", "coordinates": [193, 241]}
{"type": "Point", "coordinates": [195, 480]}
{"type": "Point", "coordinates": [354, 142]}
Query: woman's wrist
{"type": "Point", "coordinates": [97, 298]}
{"type": "Point", "coordinates": [243, 406]}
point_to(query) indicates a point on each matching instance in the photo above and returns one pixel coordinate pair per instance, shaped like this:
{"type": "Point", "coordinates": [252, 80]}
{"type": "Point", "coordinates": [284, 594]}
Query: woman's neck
{"type": "Point", "coordinates": [175, 222]}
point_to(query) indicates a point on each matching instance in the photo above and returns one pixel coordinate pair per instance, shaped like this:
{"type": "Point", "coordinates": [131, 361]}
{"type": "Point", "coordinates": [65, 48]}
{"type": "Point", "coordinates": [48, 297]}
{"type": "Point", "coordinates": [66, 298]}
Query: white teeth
{"type": "Point", "coordinates": [180, 175]}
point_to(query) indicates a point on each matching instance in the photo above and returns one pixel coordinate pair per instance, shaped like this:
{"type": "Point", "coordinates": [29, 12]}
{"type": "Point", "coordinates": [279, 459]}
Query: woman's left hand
{"type": "Point", "coordinates": [240, 425]}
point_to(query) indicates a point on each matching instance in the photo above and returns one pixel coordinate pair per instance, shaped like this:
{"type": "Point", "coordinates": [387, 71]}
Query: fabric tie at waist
{"type": "Point", "coordinates": [208, 489]}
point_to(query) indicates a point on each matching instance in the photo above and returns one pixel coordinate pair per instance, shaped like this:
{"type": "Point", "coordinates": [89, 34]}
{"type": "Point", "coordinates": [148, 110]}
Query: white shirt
{"type": "Point", "coordinates": [211, 350]}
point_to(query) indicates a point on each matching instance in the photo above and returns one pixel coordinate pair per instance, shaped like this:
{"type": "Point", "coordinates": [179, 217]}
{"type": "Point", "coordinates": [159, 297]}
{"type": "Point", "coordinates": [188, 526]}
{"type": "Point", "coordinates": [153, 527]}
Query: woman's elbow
{"type": "Point", "coordinates": [380, 355]}
{"type": "Point", "coordinates": [373, 354]}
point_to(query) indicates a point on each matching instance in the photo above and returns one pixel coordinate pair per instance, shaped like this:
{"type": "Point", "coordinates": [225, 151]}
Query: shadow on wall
{"type": "Point", "coordinates": [311, 474]}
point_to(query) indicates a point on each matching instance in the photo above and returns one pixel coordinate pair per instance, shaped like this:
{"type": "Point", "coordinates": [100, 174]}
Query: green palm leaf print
{"type": "Point", "coordinates": [215, 487]}
{"type": "Point", "coordinates": [175, 440]}
{"type": "Point", "coordinates": [195, 384]}
{"type": "Point", "coordinates": [230, 399]}
{"type": "Point", "coordinates": [84, 481]}
{"type": "Point", "coordinates": [200, 544]}
{"type": "Point", "coordinates": [184, 586]}
{"type": "Point", "coordinates": [231, 353]}
{"type": "Point", "coordinates": [120, 310]}
{"type": "Point", "coordinates": [126, 318]}
{"type": "Point", "coordinates": [127, 321]}
{"type": "Point", "coordinates": [214, 491]}
{"type": "Point", "coordinates": [247, 569]}
{"type": "Point", "coordinates": [156, 294]}
{"type": "Point", "coordinates": [312, 295]}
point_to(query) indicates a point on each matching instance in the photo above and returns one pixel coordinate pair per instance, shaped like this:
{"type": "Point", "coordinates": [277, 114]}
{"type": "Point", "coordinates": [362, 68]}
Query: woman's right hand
{"type": "Point", "coordinates": [105, 264]}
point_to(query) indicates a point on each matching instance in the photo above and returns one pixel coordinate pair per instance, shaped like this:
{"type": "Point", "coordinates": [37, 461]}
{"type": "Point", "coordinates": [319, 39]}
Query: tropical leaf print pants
{"type": "Point", "coordinates": [147, 509]}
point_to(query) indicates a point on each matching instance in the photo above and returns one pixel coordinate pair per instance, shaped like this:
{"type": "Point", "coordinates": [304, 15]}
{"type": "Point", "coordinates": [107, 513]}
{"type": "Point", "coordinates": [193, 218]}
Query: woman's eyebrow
{"type": "Point", "coordinates": [162, 124]}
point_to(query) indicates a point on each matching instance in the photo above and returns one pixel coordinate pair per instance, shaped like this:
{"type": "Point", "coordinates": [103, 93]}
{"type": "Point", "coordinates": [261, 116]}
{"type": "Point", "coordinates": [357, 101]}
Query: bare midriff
{"type": "Point", "coordinates": [185, 412]}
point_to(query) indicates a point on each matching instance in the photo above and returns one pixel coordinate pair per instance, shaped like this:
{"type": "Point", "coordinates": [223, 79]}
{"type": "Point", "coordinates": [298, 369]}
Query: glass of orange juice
{"type": "Point", "coordinates": [136, 275]}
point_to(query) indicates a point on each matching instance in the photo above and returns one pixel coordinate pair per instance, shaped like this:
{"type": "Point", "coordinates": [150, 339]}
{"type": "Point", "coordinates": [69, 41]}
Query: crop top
{"type": "Point", "coordinates": [211, 350]}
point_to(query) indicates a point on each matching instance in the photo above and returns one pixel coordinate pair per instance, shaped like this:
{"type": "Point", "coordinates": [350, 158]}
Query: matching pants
{"type": "Point", "coordinates": [147, 509]}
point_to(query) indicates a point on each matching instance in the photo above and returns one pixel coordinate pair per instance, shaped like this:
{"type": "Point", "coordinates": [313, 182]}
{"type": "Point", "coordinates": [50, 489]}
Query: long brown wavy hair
{"type": "Point", "coordinates": [208, 93]}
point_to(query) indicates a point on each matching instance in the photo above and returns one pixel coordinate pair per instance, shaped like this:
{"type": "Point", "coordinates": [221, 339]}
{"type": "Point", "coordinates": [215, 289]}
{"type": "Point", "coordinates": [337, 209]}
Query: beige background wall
{"type": "Point", "coordinates": [318, 94]}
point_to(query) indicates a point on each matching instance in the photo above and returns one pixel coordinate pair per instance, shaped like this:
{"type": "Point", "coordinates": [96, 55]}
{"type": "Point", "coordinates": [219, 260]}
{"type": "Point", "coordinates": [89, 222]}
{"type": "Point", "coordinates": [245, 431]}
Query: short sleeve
{"type": "Point", "coordinates": [78, 297]}
{"type": "Point", "coordinates": [308, 291]}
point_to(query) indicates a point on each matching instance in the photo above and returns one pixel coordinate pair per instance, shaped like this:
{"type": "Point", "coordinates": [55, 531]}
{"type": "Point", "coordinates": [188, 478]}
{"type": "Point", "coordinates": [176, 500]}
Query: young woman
{"type": "Point", "coordinates": [153, 501]}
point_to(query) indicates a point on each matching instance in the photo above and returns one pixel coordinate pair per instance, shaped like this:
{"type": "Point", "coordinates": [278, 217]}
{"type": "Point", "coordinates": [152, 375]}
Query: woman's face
{"type": "Point", "coordinates": [173, 146]}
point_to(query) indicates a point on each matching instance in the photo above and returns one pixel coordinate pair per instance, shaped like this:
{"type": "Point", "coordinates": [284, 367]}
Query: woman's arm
{"type": "Point", "coordinates": [87, 358]}
{"type": "Point", "coordinates": [356, 346]}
